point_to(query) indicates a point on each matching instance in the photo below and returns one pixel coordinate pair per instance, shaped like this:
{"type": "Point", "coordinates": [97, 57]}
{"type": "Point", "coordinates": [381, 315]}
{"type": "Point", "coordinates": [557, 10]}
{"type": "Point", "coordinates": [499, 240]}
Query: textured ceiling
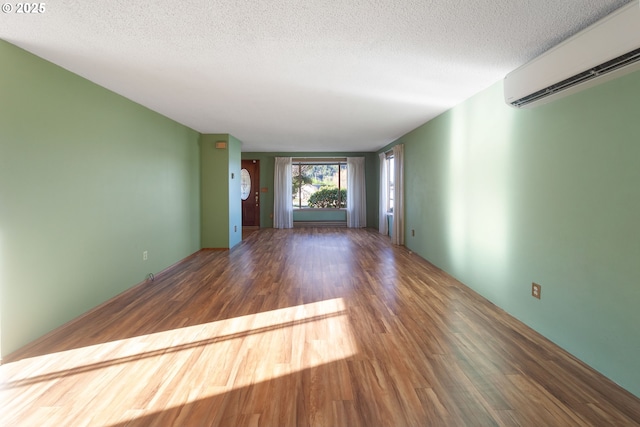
{"type": "Point", "coordinates": [292, 75]}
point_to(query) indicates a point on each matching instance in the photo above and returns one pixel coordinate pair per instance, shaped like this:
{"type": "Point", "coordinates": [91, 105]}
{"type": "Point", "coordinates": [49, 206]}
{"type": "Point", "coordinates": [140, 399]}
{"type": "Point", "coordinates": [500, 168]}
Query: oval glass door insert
{"type": "Point", "coordinates": [245, 184]}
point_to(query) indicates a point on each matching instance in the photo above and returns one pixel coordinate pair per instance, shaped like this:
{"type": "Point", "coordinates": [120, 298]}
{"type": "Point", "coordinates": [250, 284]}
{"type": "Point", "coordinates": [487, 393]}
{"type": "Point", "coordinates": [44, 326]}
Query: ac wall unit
{"type": "Point", "coordinates": [605, 50]}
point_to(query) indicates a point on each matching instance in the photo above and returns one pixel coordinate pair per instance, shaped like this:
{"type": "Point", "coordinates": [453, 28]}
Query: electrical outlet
{"type": "Point", "coordinates": [413, 233]}
{"type": "Point", "coordinates": [235, 228]}
{"type": "Point", "coordinates": [145, 255]}
{"type": "Point", "coordinates": [536, 290]}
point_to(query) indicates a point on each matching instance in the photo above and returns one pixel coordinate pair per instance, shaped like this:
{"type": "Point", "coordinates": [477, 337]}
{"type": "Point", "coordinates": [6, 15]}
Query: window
{"type": "Point", "coordinates": [390, 175]}
{"type": "Point", "coordinates": [319, 184]}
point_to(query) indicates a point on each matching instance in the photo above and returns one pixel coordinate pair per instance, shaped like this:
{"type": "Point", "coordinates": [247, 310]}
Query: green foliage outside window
{"type": "Point", "coordinates": [328, 197]}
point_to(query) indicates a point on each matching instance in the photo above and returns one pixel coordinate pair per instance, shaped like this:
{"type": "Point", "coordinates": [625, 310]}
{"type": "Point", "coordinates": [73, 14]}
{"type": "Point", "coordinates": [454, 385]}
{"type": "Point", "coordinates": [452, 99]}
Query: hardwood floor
{"type": "Point", "coordinates": [304, 327]}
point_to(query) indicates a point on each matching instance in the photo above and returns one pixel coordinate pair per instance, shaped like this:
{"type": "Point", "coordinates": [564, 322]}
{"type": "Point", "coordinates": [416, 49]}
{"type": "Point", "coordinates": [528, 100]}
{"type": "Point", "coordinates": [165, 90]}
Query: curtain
{"type": "Point", "coordinates": [383, 223]}
{"type": "Point", "coordinates": [282, 202]}
{"type": "Point", "coordinates": [397, 236]}
{"type": "Point", "coordinates": [356, 193]}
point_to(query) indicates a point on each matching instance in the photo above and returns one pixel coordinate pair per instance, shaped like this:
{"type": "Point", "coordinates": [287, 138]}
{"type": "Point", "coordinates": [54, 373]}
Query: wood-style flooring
{"type": "Point", "coordinates": [304, 327]}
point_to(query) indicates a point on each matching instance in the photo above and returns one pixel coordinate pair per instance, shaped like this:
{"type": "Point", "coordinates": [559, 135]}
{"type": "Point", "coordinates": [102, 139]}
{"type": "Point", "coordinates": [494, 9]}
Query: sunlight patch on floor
{"type": "Point", "coordinates": [180, 366]}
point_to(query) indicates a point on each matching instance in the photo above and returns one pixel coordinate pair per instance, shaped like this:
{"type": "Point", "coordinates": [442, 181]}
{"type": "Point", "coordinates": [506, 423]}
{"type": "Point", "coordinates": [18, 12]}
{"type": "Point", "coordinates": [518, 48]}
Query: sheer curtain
{"type": "Point", "coordinates": [282, 202]}
{"type": "Point", "coordinates": [397, 236]}
{"type": "Point", "coordinates": [383, 223]}
{"type": "Point", "coordinates": [356, 193]}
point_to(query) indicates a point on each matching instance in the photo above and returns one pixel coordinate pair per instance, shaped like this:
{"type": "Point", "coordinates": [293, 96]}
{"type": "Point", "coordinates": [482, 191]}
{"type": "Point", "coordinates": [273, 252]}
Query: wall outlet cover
{"type": "Point", "coordinates": [536, 290]}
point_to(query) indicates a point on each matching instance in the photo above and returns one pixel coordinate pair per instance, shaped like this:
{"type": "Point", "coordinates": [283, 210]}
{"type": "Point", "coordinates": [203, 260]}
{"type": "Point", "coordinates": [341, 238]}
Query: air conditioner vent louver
{"type": "Point", "coordinates": [580, 62]}
{"type": "Point", "coordinates": [597, 71]}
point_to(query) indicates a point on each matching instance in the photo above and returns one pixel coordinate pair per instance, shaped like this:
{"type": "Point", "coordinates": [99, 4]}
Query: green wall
{"type": "Point", "coordinates": [500, 198]}
{"type": "Point", "coordinates": [221, 218]}
{"type": "Point", "coordinates": [235, 200]}
{"type": "Point", "coordinates": [267, 162]}
{"type": "Point", "coordinates": [320, 215]}
{"type": "Point", "coordinates": [88, 181]}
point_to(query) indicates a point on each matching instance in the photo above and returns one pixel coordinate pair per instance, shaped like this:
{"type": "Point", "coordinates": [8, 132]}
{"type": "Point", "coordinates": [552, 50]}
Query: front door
{"type": "Point", "coordinates": [250, 193]}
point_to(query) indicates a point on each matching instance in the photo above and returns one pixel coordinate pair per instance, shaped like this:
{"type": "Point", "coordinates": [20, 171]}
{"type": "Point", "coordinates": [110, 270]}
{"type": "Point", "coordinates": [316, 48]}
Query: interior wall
{"type": "Point", "coordinates": [214, 191]}
{"type": "Point", "coordinates": [235, 200]}
{"type": "Point", "coordinates": [221, 215]}
{"type": "Point", "coordinates": [88, 181]}
{"type": "Point", "coordinates": [267, 163]}
{"type": "Point", "coordinates": [320, 215]}
{"type": "Point", "coordinates": [501, 198]}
